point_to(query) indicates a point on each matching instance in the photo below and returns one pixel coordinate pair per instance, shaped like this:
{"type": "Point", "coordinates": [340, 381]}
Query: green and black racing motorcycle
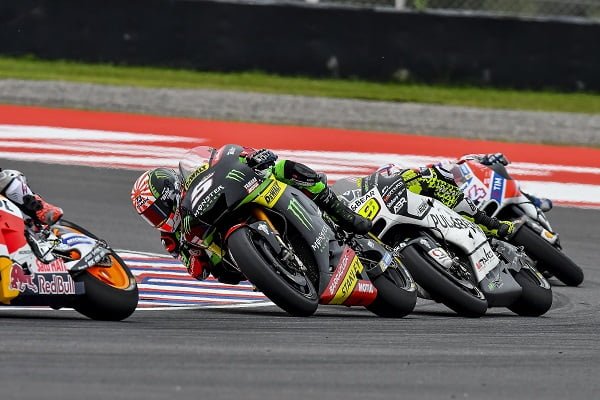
{"type": "Point", "coordinates": [273, 234]}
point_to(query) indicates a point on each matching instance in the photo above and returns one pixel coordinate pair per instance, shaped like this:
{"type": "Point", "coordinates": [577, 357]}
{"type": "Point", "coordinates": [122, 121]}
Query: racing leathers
{"type": "Point", "coordinates": [181, 242]}
{"type": "Point", "coordinates": [542, 203]}
{"type": "Point", "coordinates": [13, 185]}
{"type": "Point", "coordinates": [437, 181]}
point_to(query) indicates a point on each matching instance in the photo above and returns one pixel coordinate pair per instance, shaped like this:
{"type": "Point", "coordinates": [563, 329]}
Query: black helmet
{"type": "Point", "coordinates": [155, 196]}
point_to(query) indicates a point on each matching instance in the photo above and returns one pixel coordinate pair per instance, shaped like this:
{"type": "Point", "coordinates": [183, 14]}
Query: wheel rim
{"type": "Point", "coordinates": [464, 284]}
{"type": "Point", "coordinates": [114, 275]}
{"type": "Point", "coordinates": [288, 275]}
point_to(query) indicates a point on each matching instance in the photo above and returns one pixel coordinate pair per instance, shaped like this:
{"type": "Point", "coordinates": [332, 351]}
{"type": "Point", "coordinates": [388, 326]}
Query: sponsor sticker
{"type": "Point", "coordinates": [207, 201]}
{"type": "Point", "coordinates": [370, 209]}
{"type": "Point", "coordinates": [251, 185]}
{"type": "Point", "coordinates": [59, 284]}
{"type": "Point", "coordinates": [444, 221]}
{"type": "Point", "coordinates": [54, 266]}
{"type": "Point", "coordinates": [484, 260]}
{"type": "Point", "coordinates": [497, 188]}
{"type": "Point", "coordinates": [321, 240]}
{"type": "Point", "coordinates": [271, 194]}
{"type": "Point", "coordinates": [195, 174]}
{"type": "Point", "coordinates": [362, 200]}
{"type": "Point", "coordinates": [21, 280]}
{"type": "Point", "coordinates": [441, 257]}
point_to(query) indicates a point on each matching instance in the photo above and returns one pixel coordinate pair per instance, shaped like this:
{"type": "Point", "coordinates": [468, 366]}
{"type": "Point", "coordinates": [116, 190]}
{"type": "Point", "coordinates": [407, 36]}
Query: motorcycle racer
{"type": "Point", "coordinates": [13, 185]}
{"type": "Point", "coordinates": [543, 204]}
{"type": "Point", "coordinates": [437, 181]}
{"type": "Point", "coordinates": [157, 196]}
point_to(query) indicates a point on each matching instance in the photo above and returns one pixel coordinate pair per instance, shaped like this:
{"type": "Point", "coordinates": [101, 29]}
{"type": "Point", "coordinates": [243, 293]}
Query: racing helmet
{"type": "Point", "coordinates": [390, 170]}
{"type": "Point", "coordinates": [155, 196]}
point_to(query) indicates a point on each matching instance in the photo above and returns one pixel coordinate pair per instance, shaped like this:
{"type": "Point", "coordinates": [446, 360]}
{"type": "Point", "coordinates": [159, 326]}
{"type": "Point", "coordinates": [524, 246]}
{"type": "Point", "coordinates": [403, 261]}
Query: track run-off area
{"type": "Point", "coordinates": [226, 341]}
{"type": "Point", "coordinates": [569, 175]}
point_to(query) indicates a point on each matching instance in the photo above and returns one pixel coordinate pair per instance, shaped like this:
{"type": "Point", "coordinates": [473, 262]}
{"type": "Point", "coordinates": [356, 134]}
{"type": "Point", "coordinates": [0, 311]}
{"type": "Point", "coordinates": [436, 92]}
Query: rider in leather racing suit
{"type": "Point", "coordinates": [13, 185]}
{"type": "Point", "coordinates": [437, 181]}
{"type": "Point", "coordinates": [156, 195]}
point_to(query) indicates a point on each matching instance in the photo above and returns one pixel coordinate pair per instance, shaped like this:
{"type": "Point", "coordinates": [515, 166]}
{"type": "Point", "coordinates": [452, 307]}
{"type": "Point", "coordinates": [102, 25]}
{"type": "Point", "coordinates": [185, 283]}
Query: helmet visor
{"type": "Point", "coordinates": [155, 215]}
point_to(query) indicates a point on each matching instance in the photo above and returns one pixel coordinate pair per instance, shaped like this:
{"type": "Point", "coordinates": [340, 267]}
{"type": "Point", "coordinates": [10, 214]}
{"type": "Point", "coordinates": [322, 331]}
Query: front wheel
{"type": "Point", "coordinates": [457, 294]}
{"type": "Point", "coordinates": [548, 257]}
{"type": "Point", "coordinates": [396, 293]}
{"type": "Point", "coordinates": [111, 292]}
{"type": "Point", "coordinates": [285, 284]}
{"type": "Point", "coordinates": [536, 297]}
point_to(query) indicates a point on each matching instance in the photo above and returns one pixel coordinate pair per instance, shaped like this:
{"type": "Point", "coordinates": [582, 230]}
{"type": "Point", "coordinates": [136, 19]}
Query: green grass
{"type": "Point", "coordinates": [28, 68]}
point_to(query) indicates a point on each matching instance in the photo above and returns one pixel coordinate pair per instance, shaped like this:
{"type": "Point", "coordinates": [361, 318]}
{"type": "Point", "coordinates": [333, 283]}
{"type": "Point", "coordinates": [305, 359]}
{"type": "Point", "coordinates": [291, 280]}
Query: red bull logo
{"type": "Point", "coordinates": [20, 281]}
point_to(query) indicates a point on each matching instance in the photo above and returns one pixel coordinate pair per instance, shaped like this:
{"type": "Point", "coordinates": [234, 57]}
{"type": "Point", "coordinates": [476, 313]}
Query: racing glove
{"type": "Point", "coordinates": [170, 241]}
{"type": "Point", "coordinates": [196, 261]}
{"type": "Point", "coordinates": [261, 159]}
{"type": "Point", "coordinates": [489, 159]}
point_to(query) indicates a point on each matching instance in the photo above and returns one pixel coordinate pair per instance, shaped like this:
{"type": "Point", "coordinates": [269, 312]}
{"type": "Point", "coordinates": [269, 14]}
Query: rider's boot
{"type": "Point", "coordinates": [540, 202]}
{"type": "Point", "coordinates": [492, 226]}
{"type": "Point", "coordinates": [347, 219]}
{"type": "Point", "coordinates": [45, 212]}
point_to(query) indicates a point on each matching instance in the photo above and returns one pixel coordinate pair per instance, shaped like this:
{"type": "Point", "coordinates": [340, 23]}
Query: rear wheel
{"type": "Point", "coordinates": [458, 294]}
{"type": "Point", "coordinates": [548, 257]}
{"type": "Point", "coordinates": [111, 292]}
{"type": "Point", "coordinates": [536, 297]}
{"type": "Point", "coordinates": [396, 293]}
{"type": "Point", "coordinates": [284, 283]}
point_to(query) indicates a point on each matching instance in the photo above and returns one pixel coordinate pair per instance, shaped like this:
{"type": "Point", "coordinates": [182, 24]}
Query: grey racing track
{"type": "Point", "coordinates": [260, 353]}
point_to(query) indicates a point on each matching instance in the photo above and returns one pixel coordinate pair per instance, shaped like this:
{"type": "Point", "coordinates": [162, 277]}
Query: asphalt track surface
{"type": "Point", "coordinates": [260, 353]}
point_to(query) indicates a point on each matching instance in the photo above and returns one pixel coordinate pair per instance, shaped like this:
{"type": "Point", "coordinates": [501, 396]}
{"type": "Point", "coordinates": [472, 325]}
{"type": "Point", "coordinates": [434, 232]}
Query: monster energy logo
{"type": "Point", "coordinates": [161, 174]}
{"type": "Point", "coordinates": [235, 175]}
{"type": "Point", "coordinates": [187, 224]}
{"type": "Point", "coordinates": [296, 208]}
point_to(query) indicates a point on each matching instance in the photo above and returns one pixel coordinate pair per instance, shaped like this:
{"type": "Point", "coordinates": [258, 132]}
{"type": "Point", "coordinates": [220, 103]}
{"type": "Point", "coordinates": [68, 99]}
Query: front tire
{"type": "Point", "coordinates": [396, 293]}
{"type": "Point", "coordinates": [290, 289]}
{"type": "Point", "coordinates": [461, 296]}
{"type": "Point", "coordinates": [536, 297]}
{"type": "Point", "coordinates": [111, 293]}
{"type": "Point", "coordinates": [548, 257]}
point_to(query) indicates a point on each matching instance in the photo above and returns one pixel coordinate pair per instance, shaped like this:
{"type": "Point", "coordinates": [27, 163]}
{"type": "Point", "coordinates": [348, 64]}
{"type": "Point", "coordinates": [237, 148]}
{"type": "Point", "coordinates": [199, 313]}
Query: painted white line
{"type": "Point", "coordinates": [126, 150]}
{"type": "Point", "coordinates": [50, 132]}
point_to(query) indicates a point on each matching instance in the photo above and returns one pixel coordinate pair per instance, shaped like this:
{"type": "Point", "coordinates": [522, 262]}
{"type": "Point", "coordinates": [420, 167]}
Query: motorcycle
{"type": "Point", "coordinates": [497, 194]}
{"type": "Point", "coordinates": [271, 233]}
{"type": "Point", "coordinates": [62, 265]}
{"type": "Point", "coordinates": [449, 257]}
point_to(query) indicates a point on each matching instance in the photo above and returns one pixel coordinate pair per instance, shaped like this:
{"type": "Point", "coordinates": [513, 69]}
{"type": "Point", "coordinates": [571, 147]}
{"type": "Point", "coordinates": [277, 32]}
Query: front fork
{"type": "Point", "coordinates": [272, 235]}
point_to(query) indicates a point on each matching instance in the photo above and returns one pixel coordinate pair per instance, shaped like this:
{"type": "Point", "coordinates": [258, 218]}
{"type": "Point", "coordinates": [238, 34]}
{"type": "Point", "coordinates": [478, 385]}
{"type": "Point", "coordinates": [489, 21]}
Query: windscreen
{"type": "Point", "coordinates": [461, 173]}
{"type": "Point", "coordinates": [195, 158]}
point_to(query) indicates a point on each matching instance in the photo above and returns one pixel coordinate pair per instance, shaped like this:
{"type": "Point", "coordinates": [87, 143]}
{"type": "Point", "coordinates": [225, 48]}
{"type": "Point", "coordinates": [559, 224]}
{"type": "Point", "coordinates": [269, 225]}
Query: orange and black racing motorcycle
{"type": "Point", "coordinates": [62, 265]}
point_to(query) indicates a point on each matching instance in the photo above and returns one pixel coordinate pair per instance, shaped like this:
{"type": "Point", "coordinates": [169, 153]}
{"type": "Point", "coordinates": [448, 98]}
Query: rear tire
{"type": "Point", "coordinates": [467, 302]}
{"type": "Point", "coordinates": [396, 294]}
{"type": "Point", "coordinates": [258, 266]}
{"type": "Point", "coordinates": [548, 257]}
{"type": "Point", "coordinates": [536, 298]}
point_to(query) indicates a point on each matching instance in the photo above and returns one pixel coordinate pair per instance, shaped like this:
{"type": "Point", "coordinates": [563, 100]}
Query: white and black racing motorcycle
{"type": "Point", "coordinates": [62, 265]}
{"type": "Point", "coordinates": [450, 258]}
